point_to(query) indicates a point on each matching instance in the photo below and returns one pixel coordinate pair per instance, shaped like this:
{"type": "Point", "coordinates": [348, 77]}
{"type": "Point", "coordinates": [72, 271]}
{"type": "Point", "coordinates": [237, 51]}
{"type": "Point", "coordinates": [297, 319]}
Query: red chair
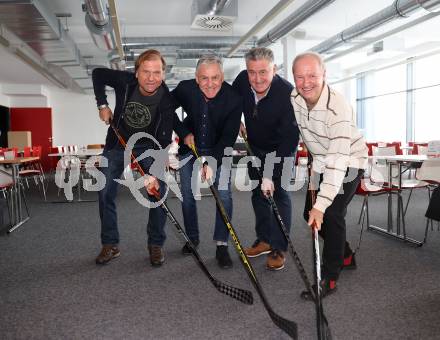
{"type": "Point", "coordinates": [416, 148]}
{"type": "Point", "coordinates": [367, 188]}
{"type": "Point", "coordinates": [301, 160]}
{"type": "Point", "coordinates": [370, 147]}
{"type": "Point", "coordinates": [301, 153]}
{"type": "Point", "coordinates": [14, 149]}
{"type": "Point", "coordinates": [27, 151]}
{"type": "Point", "coordinates": [397, 146]}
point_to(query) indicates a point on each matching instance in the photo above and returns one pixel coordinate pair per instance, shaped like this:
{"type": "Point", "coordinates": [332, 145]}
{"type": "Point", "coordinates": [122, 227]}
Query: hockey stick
{"type": "Point", "coordinates": [283, 228]}
{"type": "Point", "coordinates": [321, 321]}
{"type": "Point", "coordinates": [239, 294]}
{"type": "Point", "coordinates": [290, 327]}
{"type": "Point", "coordinates": [292, 251]}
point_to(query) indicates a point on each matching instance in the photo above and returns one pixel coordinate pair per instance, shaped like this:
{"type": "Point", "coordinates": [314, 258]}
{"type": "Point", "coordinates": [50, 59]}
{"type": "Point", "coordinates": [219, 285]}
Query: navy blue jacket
{"type": "Point", "coordinates": [224, 115]}
{"type": "Point", "coordinates": [124, 83]}
{"type": "Point", "coordinates": [272, 127]}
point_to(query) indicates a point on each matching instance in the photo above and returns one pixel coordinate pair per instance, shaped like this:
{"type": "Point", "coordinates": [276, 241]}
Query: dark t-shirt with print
{"type": "Point", "coordinates": [140, 114]}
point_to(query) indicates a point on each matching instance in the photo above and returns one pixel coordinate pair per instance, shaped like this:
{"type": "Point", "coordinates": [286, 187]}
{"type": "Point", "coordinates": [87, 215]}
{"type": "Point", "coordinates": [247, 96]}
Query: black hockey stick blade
{"type": "Point", "coordinates": [242, 295]}
{"type": "Point", "coordinates": [287, 326]}
{"type": "Point", "coordinates": [239, 294]}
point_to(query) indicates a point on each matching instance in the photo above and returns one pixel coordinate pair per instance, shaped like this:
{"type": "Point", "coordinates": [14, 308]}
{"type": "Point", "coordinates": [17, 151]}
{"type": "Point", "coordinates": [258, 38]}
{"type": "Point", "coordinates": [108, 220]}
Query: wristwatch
{"type": "Point", "coordinates": [103, 106]}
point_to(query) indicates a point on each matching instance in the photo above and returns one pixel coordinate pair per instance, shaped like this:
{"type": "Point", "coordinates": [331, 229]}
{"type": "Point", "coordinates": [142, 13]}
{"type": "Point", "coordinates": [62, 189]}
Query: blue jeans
{"type": "Point", "coordinates": [189, 207]}
{"type": "Point", "coordinates": [266, 225]}
{"type": "Point", "coordinates": [107, 205]}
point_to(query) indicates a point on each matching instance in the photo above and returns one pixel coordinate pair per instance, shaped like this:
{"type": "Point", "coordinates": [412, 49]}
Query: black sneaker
{"type": "Point", "coordinates": [350, 262]}
{"type": "Point", "coordinates": [223, 259]}
{"type": "Point", "coordinates": [327, 287]}
{"type": "Point", "coordinates": [186, 250]}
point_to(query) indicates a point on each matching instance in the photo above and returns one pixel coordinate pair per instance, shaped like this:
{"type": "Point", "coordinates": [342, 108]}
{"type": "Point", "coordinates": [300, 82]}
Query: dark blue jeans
{"type": "Point", "coordinates": [266, 225]}
{"type": "Point", "coordinates": [107, 205]}
{"type": "Point", "coordinates": [189, 207]}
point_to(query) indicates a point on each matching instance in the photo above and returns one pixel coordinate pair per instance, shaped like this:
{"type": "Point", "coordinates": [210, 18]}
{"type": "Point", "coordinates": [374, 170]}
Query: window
{"type": "Point", "coordinates": [384, 105]}
{"type": "Point", "coordinates": [426, 92]}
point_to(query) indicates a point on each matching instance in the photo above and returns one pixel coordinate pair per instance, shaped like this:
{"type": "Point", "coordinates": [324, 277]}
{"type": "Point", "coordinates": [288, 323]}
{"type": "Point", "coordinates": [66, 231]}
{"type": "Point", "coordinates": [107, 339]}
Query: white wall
{"type": "Point", "coordinates": [4, 100]}
{"type": "Point", "coordinates": [75, 119]}
{"type": "Point", "coordinates": [27, 101]}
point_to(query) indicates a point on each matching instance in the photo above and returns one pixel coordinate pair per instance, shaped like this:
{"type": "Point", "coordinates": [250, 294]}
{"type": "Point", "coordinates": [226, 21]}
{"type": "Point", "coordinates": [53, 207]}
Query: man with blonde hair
{"type": "Point", "coordinates": [143, 104]}
{"type": "Point", "coordinates": [327, 125]}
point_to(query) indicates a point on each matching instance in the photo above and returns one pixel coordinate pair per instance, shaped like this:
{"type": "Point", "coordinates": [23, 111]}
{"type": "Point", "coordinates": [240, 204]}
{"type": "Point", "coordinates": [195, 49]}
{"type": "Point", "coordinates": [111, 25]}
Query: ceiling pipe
{"type": "Point", "coordinates": [399, 9]}
{"type": "Point", "coordinates": [296, 18]}
{"type": "Point", "coordinates": [180, 42]}
{"type": "Point", "coordinates": [99, 25]}
{"type": "Point", "coordinates": [181, 55]}
{"type": "Point", "coordinates": [217, 6]}
{"type": "Point", "coordinates": [260, 24]}
{"type": "Point", "coordinates": [383, 36]}
{"type": "Point", "coordinates": [117, 31]}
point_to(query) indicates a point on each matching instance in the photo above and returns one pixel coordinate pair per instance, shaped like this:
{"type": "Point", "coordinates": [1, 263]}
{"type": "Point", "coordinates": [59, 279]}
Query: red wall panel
{"type": "Point", "coordinates": [38, 120]}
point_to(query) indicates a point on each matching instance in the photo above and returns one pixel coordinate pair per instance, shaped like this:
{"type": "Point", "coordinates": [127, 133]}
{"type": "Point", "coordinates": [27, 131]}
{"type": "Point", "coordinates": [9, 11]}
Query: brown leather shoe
{"type": "Point", "coordinates": [257, 249]}
{"type": "Point", "coordinates": [108, 252]}
{"type": "Point", "coordinates": [157, 256]}
{"type": "Point", "coordinates": [275, 260]}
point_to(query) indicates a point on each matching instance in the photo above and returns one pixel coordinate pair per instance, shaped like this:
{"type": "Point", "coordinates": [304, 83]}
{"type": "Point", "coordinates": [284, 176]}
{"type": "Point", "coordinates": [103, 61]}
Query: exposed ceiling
{"type": "Point", "coordinates": [48, 40]}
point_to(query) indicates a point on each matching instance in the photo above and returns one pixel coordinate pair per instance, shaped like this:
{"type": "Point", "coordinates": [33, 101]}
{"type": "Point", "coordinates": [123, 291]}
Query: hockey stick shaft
{"type": "Point", "coordinates": [322, 327]}
{"type": "Point", "coordinates": [239, 294]}
{"type": "Point", "coordinates": [320, 315]}
{"type": "Point", "coordinates": [288, 326]}
{"type": "Point", "coordinates": [283, 228]}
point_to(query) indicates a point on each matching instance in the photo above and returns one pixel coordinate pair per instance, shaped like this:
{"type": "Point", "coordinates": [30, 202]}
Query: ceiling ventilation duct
{"type": "Point", "coordinates": [399, 9]}
{"type": "Point", "coordinates": [37, 29]}
{"type": "Point", "coordinates": [215, 15]}
{"type": "Point", "coordinates": [99, 24]}
{"type": "Point", "coordinates": [101, 29]}
{"type": "Point", "coordinates": [296, 18]}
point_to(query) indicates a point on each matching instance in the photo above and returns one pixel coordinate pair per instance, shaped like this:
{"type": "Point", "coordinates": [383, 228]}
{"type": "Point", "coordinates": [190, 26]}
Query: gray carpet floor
{"type": "Point", "coordinates": [50, 287]}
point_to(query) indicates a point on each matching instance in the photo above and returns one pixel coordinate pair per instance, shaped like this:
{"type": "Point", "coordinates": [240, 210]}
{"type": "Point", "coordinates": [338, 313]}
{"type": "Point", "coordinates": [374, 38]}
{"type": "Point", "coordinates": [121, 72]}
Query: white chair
{"type": "Point", "coordinates": [429, 172]}
{"type": "Point", "coordinates": [6, 187]}
{"type": "Point", "coordinates": [378, 170]}
{"type": "Point", "coordinates": [422, 150]}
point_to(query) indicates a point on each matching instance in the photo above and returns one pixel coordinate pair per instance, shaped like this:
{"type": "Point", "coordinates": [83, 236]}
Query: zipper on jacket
{"type": "Point", "coordinates": [121, 116]}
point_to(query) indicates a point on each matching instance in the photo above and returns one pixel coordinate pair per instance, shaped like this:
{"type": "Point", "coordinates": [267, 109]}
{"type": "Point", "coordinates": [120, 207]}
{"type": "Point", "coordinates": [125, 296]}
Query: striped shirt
{"type": "Point", "coordinates": [331, 136]}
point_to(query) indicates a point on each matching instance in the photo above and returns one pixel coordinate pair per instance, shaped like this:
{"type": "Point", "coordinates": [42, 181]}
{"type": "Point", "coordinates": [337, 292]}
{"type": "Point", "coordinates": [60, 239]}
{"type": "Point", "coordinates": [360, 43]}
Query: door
{"type": "Point", "coordinates": [4, 126]}
{"type": "Point", "coordinates": [38, 120]}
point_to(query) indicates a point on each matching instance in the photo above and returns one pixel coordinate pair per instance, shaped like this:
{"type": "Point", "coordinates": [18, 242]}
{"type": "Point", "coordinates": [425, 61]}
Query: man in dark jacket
{"type": "Point", "coordinates": [213, 119]}
{"type": "Point", "coordinates": [143, 104]}
{"type": "Point", "coordinates": [270, 127]}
